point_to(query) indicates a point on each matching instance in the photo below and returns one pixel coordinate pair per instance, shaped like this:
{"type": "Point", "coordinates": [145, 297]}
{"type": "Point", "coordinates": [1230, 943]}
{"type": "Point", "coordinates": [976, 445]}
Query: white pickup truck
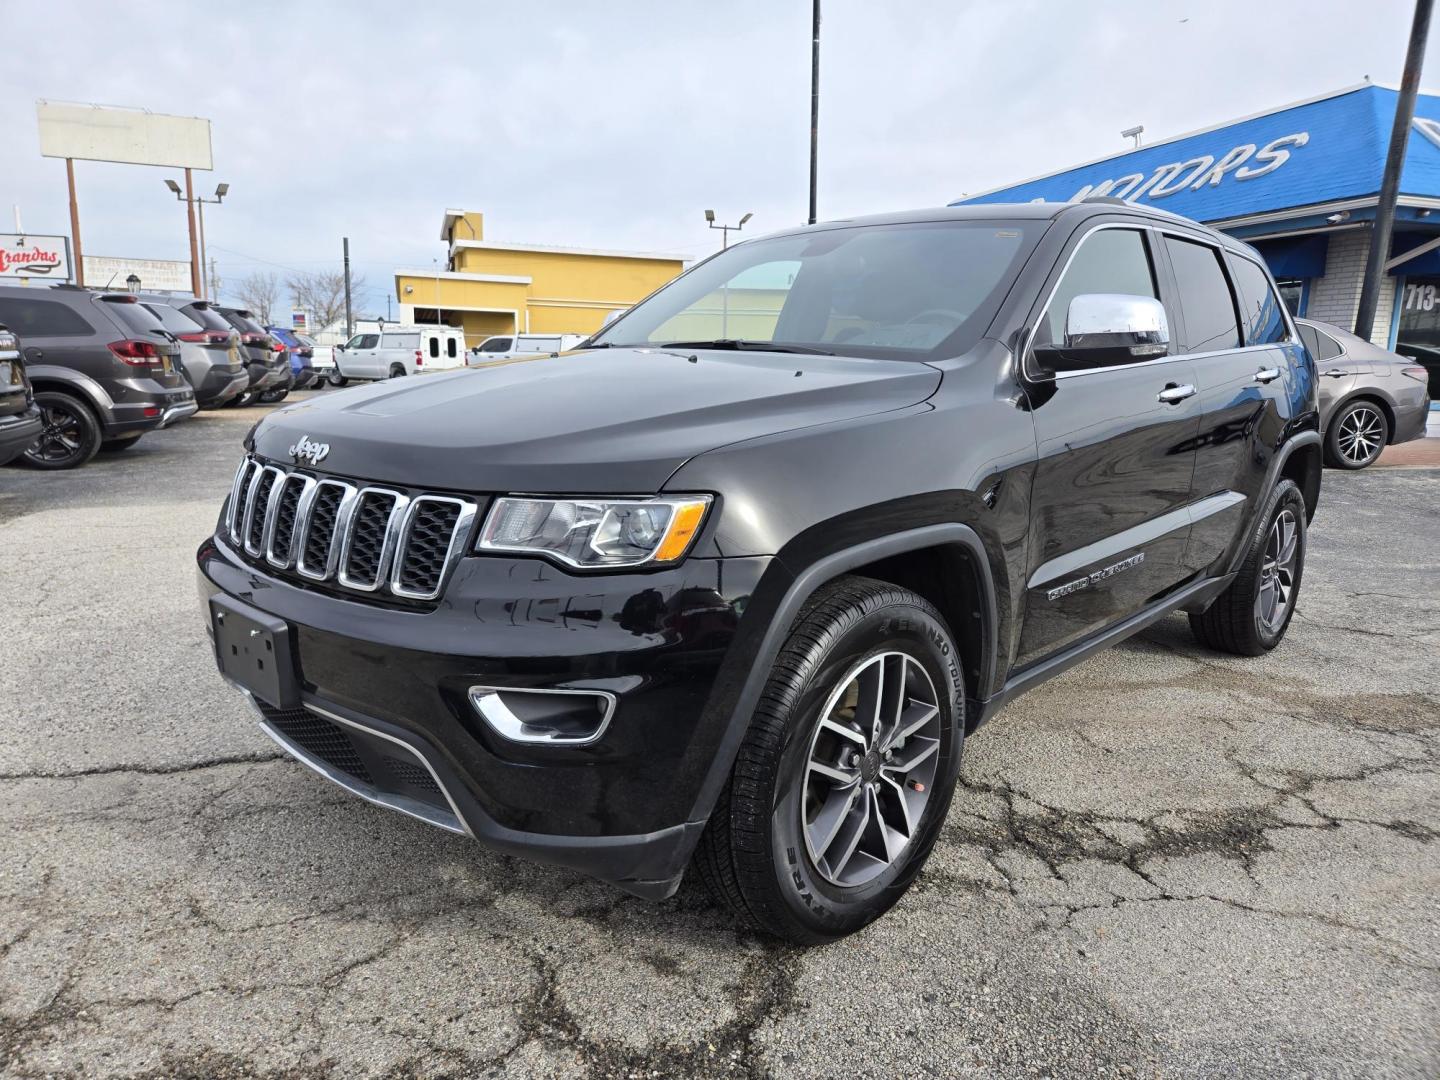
{"type": "Point", "coordinates": [399, 350]}
{"type": "Point", "coordinates": [504, 346]}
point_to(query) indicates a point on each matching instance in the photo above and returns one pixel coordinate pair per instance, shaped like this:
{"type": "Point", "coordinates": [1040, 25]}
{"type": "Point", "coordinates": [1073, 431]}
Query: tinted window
{"type": "Point", "coordinates": [42, 318]}
{"type": "Point", "coordinates": [367, 341]}
{"type": "Point", "coordinates": [496, 344]}
{"type": "Point", "coordinates": [135, 318]}
{"type": "Point", "coordinates": [450, 347]}
{"type": "Point", "coordinates": [1204, 295]}
{"type": "Point", "coordinates": [243, 323]}
{"type": "Point", "coordinates": [902, 290]}
{"type": "Point", "coordinates": [1321, 346]}
{"type": "Point", "coordinates": [207, 317]}
{"type": "Point", "coordinates": [1107, 261]}
{"type": "Point", "coordinates": [1259, 306]}
{"type": "Point", "coordinates": [434, 346]}
{"type": "Point", "coordinates": [175, 321]}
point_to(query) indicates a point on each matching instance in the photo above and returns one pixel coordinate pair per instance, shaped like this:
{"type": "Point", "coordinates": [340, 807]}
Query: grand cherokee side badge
{"type": "Point", "coordinates": [305, 450]}
{"type": "Point", "coordinates": [1095, 577]}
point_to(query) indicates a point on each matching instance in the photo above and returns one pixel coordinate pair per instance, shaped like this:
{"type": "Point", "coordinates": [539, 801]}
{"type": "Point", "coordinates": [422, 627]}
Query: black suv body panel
{"type": "Point", "coordinates": [1045, 518]}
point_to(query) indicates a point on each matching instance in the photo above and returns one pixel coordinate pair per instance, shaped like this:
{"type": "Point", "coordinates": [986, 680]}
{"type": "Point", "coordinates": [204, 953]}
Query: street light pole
{"type": "Point", "coordinates": [814, 105]}
{"type": "Point", "coordinates": [191, 199]}
{"type": "Point", "coordinates": [725, 229]}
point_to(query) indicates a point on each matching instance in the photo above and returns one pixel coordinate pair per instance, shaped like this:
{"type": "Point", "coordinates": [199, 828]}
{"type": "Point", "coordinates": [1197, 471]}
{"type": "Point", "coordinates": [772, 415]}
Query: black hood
{"type": "Point", "coordinates": [614, 420]}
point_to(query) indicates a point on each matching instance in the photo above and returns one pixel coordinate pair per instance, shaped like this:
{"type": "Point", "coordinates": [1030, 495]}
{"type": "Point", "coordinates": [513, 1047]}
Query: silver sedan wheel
{"type": "Point", "coordinates": [1361, 433]}
{"type": "Point", "coordinates": [1277, 573]}
{"type": "Point", "coordinates": [870, 768]}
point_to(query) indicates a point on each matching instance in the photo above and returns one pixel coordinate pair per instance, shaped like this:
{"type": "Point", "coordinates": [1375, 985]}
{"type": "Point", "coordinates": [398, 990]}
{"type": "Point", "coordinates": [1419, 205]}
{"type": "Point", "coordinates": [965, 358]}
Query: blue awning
{"type": "Point", "coordinates": [1296, 256]}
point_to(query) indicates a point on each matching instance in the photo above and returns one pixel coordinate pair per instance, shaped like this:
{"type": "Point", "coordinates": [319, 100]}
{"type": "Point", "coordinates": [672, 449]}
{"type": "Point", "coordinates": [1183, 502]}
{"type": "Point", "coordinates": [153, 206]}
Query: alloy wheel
{"type": "Point", "coordinates": [61, 438]}
{"type": "Point", "coordinates": [870, 768]}
{"type": "Point", "coordinates": [1277, 573]}
{"type": "Point", "coordinates": [1361, 433]}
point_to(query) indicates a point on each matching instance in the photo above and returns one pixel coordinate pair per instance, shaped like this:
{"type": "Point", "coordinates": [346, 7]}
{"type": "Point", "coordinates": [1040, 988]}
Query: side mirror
{"type": "Point", "coordinates": [1106, 329]}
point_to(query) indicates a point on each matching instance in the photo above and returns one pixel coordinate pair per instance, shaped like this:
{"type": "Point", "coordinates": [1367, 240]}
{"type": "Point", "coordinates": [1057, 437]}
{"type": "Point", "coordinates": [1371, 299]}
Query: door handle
{"type": "Point", "coordinates": [1173, 395]}
{"type": "Point", "coordinates": [1267, 375]}
{"type": "Point", "coordinates": [1337, 373]}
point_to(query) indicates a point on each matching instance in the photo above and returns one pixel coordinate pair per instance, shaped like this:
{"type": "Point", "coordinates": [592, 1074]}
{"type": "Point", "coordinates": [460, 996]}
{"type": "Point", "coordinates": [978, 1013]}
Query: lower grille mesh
{"type": "Point", "coordinates": [320, 738]}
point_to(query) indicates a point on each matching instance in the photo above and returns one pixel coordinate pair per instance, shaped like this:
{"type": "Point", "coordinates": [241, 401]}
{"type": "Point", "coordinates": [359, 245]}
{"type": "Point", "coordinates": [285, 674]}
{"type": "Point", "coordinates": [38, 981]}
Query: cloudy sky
{"type": "Point", "coordinates": [616, 124]}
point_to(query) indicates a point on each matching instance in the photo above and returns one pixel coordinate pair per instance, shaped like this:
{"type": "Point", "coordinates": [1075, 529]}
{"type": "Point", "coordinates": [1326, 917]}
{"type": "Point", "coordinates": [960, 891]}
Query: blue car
{"type": "Point", "coordinates": [299, 352]}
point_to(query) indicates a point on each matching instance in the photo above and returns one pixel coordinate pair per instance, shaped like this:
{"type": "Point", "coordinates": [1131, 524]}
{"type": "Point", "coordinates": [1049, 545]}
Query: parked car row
{"type": "Point", "coordinates": [83, 370]}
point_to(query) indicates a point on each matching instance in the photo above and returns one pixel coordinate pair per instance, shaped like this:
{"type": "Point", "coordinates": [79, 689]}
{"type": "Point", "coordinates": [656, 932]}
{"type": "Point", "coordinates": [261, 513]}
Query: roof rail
{"type": "Point", "coordinates": [1109, 200]}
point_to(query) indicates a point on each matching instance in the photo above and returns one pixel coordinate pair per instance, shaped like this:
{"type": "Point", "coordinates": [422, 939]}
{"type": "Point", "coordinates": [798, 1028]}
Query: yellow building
{"type": "Point", "coordinates": [496, 288]}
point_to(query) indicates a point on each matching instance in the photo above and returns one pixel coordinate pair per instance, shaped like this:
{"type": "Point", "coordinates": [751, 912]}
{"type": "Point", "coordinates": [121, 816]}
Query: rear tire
{"type": "Point", "coordinates": [397, 371]}
{"type": "Point", "coordinates": [1356, 436]}
{"type": "Point", "coordinates": [241, 400]}
{"type": "Point", "coordinates": [71, 436]}
{"type": "Point", "coordinates": [821, 827]}
{"type": "Point", "coordinates": [270, 397]}
{"type": "Point", "coordinates": [1251, 616]}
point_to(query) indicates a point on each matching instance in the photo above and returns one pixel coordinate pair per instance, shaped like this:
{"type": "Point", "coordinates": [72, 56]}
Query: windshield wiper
{"type": "Point", "coordinates": [744, 344]}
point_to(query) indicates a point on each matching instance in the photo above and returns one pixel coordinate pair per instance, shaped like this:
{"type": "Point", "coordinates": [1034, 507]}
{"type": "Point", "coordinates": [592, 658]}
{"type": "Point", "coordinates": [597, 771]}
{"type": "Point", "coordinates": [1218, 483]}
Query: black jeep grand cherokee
{"type": "Point", "coordinates": [731, 583]}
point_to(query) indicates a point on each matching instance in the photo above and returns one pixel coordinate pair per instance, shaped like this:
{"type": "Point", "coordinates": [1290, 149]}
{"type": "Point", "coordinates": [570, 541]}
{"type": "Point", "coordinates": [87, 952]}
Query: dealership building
{"type": "Point", "coordinates": [490, 287]}
{"type": "Point", "coordinates": [1301, 183]}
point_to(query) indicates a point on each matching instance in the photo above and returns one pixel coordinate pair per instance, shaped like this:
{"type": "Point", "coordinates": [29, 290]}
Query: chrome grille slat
{"type": "Point", "coordinates": [361, 538]}
{"type": "Point", "coordinates": [406, 579]}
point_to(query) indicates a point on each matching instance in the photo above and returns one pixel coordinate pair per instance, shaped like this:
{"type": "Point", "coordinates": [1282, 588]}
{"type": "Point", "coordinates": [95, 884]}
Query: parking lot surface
{"type": "Point", "coordinates": [1166, 862]}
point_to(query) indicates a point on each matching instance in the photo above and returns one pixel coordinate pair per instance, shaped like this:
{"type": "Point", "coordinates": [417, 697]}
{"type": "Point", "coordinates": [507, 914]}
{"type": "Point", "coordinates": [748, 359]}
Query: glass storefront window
{"type": "Point", "coordinates": [1418, 336]}
{"type": "Point", "coordinates": [1292, 293]}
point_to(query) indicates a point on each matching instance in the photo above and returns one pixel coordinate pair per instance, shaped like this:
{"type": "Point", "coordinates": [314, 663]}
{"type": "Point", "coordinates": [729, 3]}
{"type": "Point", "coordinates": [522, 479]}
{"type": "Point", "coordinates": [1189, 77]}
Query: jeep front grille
{"type": "Point", "coordinates": [362, 538]}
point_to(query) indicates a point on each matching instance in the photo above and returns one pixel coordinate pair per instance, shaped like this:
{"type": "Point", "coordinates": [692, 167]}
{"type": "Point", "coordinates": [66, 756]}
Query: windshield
{"type": "Point", "coordinates": [909, 290]}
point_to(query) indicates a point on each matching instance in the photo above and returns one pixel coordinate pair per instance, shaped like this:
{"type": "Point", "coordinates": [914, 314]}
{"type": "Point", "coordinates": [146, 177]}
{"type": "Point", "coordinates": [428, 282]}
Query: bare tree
{"type": "Point", "coordinates": [322, 294]}
{"type": "Point", "coordinates": [260, 292]}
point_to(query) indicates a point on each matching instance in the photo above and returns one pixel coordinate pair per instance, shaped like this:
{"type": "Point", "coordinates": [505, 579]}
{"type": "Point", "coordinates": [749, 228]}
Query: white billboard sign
{"type": "Point", "coordinates": [129, 136]}
{"type": "Point", "coordinates": [23, 255]}
{"type": "Point", "coordinates": [156, 275]}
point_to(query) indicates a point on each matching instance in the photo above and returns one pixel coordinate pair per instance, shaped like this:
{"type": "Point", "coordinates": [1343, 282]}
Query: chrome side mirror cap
{"type": "Point", "coordinates": [1106, 329]}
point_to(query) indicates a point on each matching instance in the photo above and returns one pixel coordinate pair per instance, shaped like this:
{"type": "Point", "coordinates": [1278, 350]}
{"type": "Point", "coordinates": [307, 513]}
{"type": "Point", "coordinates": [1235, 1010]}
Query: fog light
{"type": "Point", "coordinates": [544, 717]}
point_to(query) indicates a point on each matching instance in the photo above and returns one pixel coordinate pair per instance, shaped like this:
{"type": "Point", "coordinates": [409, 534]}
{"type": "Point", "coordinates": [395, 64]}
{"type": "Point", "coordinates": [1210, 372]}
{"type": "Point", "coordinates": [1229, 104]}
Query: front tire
{"type": "Point", "coordinates": [71, 436]}
{"type": "Point", "coordinates": [840, 787]}
{"type": "Point", "coordinates": [1356, 436]}
{"type": "Point", "coordinates": [1251, 616]}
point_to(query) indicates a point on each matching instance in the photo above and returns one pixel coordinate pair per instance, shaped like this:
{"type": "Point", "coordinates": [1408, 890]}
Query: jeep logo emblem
{"type": "Point", "coordinates": [306, 450]}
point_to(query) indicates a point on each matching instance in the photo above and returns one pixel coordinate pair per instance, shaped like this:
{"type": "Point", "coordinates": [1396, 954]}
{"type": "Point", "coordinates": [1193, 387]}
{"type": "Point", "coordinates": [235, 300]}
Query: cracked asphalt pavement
{"type": "Point", "coordinates": [1166, 862]}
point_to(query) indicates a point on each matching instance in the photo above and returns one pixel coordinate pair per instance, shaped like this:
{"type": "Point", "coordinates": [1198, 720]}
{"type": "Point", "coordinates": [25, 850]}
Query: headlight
{"type": "Point", "coordinates": [596, 533]}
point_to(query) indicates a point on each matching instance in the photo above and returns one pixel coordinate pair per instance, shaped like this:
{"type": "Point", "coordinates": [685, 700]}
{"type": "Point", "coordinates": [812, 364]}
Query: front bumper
{"type": "Point", "coordinates": [623, 808]}
{"type": "Point", "coordinates": [18, 432]}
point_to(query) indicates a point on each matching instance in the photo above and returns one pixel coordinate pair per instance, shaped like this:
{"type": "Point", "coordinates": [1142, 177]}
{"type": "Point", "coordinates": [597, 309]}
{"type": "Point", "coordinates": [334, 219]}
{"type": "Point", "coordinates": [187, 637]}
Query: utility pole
{"type": "Point", "coordinates": [349, 318]}
{"type": "Point", "coordinates": [814, 106]}
{"type": "Point", "coordinates": [1394, 163]}
{"type": "Point", "coordinates": [212, 288]}
{"type": "Point", "coordinates": [195, 284]}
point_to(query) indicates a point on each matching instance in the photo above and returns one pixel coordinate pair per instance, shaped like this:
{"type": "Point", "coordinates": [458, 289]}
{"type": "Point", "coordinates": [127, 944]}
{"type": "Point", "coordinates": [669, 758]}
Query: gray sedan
{"type": "Point", "coordinates": [1369, 397]}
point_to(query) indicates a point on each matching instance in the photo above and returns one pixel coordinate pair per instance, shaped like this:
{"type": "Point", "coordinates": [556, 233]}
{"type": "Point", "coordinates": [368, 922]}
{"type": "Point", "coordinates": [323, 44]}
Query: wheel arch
{"type": "Point", "coordinates": [949, 544]}
{"type": "Point", "coordinates": [68, 381]}
{"type": "Point", "coordinates": [1375, 397]}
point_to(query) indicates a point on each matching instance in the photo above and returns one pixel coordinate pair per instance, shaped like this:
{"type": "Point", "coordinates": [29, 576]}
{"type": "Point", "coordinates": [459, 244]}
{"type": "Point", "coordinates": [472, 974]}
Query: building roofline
{"type": "Point", "coordinates": [1343, 91]}
{"type": "Point", "coordinates": [463, 275]}
{"type": "Point", "coordinates": [492, 245]}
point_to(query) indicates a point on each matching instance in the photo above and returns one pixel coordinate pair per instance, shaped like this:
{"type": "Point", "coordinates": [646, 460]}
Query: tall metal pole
{"type": "Point", "coordinates": [190, 217]}
{"type": "Point", "coordinates": [349, 319]}
{"type": "Point", "coordinates": [1394, 164]}
{"type": "Point", "coordinates": [75, 223]}
{"type": "Point", "coordinates": [814, 106]}
{"type": "Point", "coordinates": [202, 293]}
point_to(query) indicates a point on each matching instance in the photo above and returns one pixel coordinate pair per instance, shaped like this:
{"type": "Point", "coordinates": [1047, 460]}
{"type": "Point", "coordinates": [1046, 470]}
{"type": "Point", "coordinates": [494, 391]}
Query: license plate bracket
{"type": "Point", "coordinates": [255, 651]}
